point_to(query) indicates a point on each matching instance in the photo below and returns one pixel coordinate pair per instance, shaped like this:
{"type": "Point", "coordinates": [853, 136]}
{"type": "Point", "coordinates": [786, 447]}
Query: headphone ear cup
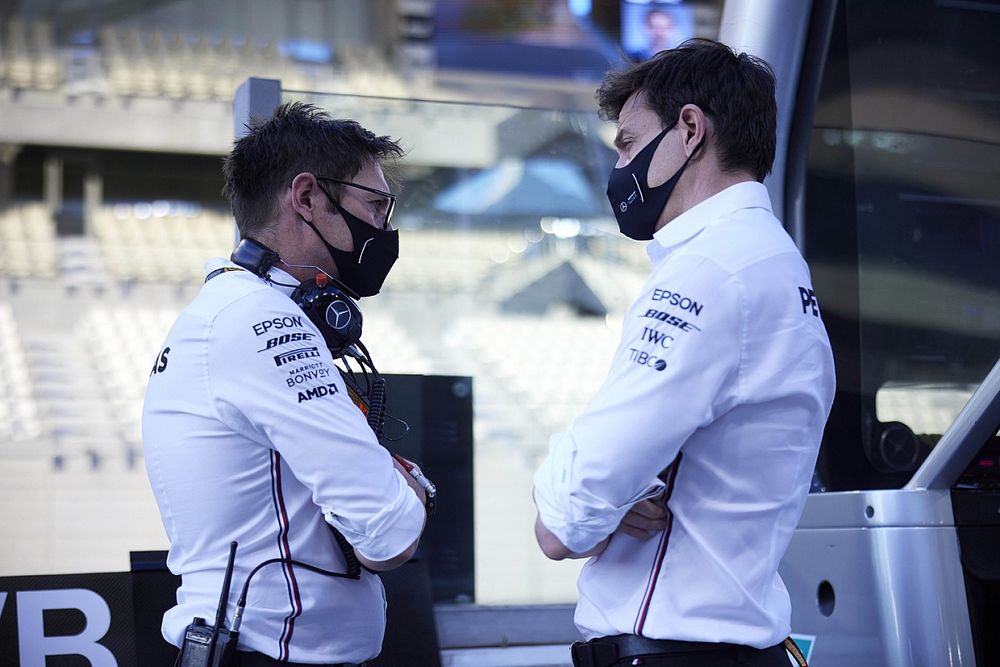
{"type": "Point", "coordinates": [334, 313]}
{"type": "Point", "coordinates": [343, 316]}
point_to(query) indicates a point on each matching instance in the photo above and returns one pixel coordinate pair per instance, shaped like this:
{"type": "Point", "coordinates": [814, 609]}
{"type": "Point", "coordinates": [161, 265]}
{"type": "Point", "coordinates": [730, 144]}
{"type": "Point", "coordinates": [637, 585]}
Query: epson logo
{"type": "Point", "coordinates": [318, 392]}
{"type": "Point", "coordinates": [675, 299]}
{"type": "Point", "coordinates": [286, 322]}
{"type": "Point", "coordinates": [672, 320]}
{"type": "Point", "coordinates": [295, 355]}
{"type": "Point", "coordinates": [287, 338]}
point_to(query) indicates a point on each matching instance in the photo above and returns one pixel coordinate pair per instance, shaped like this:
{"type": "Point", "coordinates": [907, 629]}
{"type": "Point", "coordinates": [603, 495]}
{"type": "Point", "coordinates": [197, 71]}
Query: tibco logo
{"type": "Point", "coordinates": [646, 359]}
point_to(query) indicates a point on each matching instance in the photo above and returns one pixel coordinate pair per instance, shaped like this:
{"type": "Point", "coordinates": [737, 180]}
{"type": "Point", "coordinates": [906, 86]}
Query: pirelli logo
{"type": "Point", "coordinates": [295, 355]}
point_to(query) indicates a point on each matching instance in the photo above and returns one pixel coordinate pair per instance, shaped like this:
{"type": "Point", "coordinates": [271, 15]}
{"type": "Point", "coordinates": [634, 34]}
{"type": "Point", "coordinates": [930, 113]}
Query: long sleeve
{"type": "Point", "coordinates": [675, 369]}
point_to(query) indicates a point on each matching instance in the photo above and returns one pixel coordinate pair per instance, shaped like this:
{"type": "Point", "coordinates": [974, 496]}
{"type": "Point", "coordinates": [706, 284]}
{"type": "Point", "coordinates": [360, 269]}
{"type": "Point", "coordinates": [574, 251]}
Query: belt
{"type": "Point", "coordinates": [605, 651]}
{"type": "Point", "coordinates": [255, 659]}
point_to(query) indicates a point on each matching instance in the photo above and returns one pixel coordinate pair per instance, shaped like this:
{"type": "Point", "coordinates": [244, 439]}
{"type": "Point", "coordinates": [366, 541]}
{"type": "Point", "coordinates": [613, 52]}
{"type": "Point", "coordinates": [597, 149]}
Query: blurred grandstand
{"type": "Point", "coordinates": [110, 203]}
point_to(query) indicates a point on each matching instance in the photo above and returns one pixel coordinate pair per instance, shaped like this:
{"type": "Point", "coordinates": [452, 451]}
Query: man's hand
{"type": "Point", "coordinates": [646, 518]}
{"type": "Point", "coordinates": [392, 563]}
{"type": "Point", "coordinates": [413, 484]}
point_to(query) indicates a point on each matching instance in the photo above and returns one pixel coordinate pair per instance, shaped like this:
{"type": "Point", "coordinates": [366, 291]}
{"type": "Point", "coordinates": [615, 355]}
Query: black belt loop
{"type": "Point", "coordinates": [595, 653]}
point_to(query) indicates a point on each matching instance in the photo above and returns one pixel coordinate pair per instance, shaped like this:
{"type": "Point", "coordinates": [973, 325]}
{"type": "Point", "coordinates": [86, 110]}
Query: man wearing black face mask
{"type": "Point", "coordinates": [686, 475]}
{"type": "Point", "coordinates": [250, 434]}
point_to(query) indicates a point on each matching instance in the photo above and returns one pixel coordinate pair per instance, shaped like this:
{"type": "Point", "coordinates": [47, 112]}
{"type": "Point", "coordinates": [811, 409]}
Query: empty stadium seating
{"type": "Point", "coordinates": [28, 56]}
{"type": "Point", "coordinates": [451, 260]}
{"type": "Point", "coordinates": [151, 64]}
{"type": "Point", "coordinates": [27, 242]}
{"type": "Point", "coordinates": [150, 241]}
{"type": "Point", "coordinates": [18, 412]}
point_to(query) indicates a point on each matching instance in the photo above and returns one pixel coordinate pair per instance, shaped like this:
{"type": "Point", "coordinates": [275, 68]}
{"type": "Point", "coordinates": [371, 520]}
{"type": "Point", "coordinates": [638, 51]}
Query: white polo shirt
{"type": "Point", "coordinates": [723, 379]}
{"type": "Point", "coordinates": [249, 435]}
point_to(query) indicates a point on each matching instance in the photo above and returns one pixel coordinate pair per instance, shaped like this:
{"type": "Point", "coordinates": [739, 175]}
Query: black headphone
{"type": "Point", "coordinates": [325, 300]}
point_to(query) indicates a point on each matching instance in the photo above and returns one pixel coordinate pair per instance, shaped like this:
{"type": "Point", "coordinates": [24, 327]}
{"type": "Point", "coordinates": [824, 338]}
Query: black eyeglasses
{"type": "Point", "coordinates": [389, 197]}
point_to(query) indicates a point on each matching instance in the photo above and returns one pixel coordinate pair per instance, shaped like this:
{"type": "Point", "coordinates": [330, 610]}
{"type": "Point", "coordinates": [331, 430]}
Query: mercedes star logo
{"type": "Point", "coordinates": [338, 315]}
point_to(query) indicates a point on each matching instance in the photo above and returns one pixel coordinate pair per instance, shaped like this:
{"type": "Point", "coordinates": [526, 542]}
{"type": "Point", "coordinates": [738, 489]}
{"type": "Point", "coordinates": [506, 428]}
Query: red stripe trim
{"type": "Point", "coordinates": [291, 583]}
{"type": "Point", "coordinates": [661, 553]}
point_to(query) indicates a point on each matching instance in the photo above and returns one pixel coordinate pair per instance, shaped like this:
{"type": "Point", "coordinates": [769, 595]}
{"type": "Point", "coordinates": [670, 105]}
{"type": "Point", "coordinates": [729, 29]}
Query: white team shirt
{"type": "Point", "coordinates": [249, 435]}
{"type": "Point", "coordinates": [724, 375]}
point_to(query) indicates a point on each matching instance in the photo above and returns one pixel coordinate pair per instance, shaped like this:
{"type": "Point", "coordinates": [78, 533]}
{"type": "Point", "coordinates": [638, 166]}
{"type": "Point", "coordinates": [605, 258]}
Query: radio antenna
{"type": "Point", "coordinates": [220, 616]}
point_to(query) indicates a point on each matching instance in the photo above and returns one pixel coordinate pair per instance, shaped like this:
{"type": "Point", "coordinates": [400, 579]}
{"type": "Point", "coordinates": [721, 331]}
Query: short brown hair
{"type": "Point", "coordinates": [735, 91]}
{"type": "Point", "coordinates": [298, 138]}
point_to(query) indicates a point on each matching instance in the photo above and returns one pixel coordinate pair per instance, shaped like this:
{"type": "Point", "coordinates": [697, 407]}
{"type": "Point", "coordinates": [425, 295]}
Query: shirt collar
{"type": "Point", "coordinates": [276, 278]}
{"type": "Point", "coordinates": [749, 194]}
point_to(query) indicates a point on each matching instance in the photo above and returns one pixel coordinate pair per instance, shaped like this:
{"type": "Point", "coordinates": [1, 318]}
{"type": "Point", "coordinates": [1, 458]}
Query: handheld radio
{"type": "Point", "coordinates": [211, 646]}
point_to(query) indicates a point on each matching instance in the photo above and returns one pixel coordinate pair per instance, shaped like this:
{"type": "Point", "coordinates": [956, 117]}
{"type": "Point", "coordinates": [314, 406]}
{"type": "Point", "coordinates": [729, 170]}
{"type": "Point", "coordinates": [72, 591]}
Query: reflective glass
{"type": "Point", "coordinates": [511, 271]}
{"type": "Point", "coordinates": [903, 229]}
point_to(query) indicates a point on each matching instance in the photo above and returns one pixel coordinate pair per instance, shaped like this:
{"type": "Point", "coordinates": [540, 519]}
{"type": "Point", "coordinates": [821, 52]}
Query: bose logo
{"type": "Point", "coordinates": [672, 320]}
{"type": "Point", "coordinates": [287, 338]}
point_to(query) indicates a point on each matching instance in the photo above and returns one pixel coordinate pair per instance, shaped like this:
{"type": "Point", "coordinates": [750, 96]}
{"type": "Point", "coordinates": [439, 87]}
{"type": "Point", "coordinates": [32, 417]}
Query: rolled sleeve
{"type": "Point", "coordinates": [388, 533]}
{"type": "Point", "coordinates": [319, 432]}
{"type": "Point", "coordinates": [578, 519]}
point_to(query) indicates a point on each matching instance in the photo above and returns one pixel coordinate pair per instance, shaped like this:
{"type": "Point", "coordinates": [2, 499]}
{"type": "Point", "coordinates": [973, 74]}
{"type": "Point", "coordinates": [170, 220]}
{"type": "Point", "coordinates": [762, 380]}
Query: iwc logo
{"type": "Point", "coordinates": [338, 315]}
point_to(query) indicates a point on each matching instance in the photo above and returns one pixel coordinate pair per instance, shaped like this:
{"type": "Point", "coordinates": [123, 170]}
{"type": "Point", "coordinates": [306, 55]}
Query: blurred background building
{"type": "Point", "coordinates": [114, 117]}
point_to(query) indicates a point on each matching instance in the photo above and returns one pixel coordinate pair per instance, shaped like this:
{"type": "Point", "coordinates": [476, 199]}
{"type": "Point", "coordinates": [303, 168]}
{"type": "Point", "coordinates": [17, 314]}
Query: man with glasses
{"type": "Point", "coordinates": [250, 433]}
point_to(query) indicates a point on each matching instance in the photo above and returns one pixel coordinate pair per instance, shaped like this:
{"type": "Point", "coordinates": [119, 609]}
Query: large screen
{"type": "Point", "coordinates": [563, 38]}
{"type": "Point", "coordinates": [650, 26]}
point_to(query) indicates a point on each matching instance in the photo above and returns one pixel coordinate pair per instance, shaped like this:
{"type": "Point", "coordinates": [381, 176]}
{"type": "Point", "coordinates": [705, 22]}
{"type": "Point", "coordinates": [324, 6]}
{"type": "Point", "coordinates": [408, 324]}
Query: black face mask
{"type": "Point", "coordinates": [365, 268]}
{"type": "Point", "coordinates": [637, 206]}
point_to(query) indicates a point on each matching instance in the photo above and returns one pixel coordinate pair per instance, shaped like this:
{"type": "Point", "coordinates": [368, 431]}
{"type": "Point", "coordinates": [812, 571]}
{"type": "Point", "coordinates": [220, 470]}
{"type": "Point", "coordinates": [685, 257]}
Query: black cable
{"type": "Point", "coordinates": [270, 561]}
{"type": "Point", "coordinates": [242, 602]}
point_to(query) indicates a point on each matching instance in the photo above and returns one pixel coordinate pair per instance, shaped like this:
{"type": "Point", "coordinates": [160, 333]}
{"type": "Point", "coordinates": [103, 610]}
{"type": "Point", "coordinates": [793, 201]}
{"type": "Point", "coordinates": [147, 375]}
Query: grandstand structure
{"type": "Point", "coordinates": [109, 206]}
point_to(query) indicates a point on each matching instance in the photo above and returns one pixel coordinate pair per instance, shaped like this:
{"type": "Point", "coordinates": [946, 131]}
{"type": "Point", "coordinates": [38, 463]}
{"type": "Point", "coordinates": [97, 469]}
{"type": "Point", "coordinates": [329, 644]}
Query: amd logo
{"type": "Point", "coordinates": [318, 392]}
